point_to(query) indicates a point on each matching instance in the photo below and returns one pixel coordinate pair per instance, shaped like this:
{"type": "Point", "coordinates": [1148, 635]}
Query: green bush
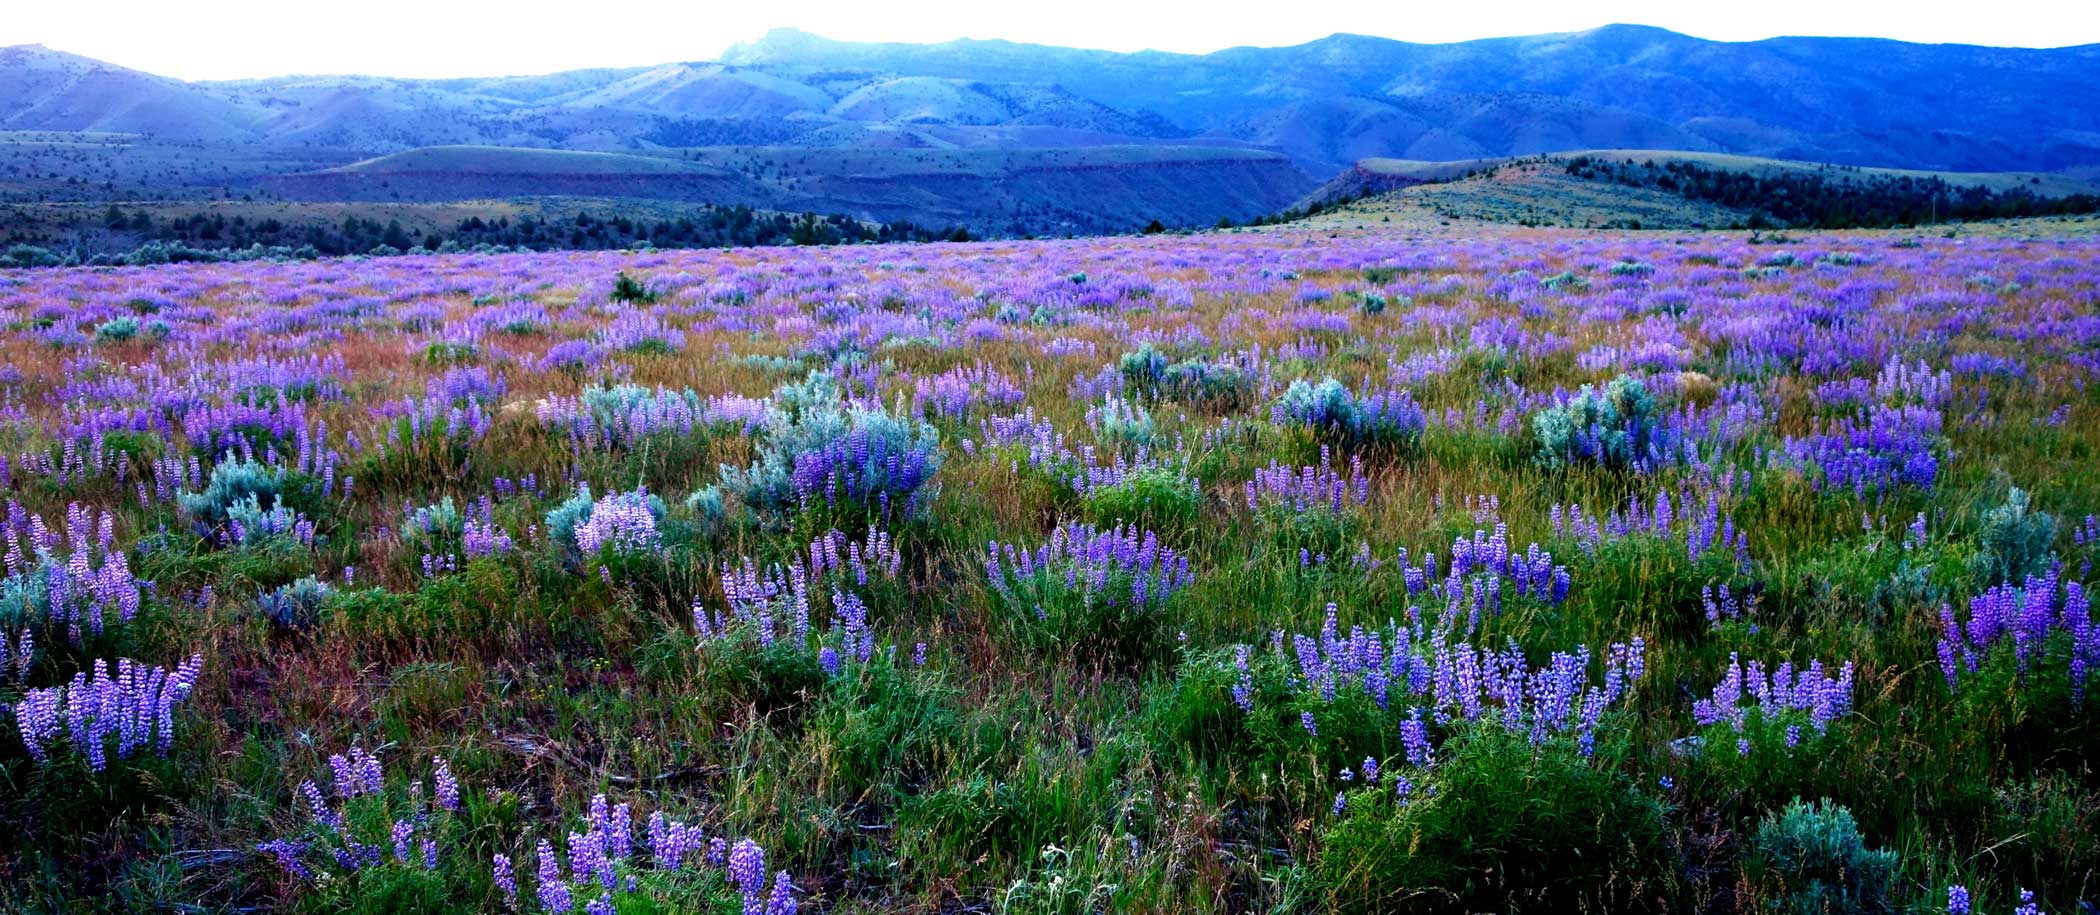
{"type": "Point", "coordinates": [1122, 425]}
{"type": "Point", "coordinates": [1500, 825]}
{"type": "Point", "coordinates": [295, 606]}
{"type": "Point", "coordinates": [1811, 859]}
{"type": "Point", "coordinates": [628, 289]}
{"type": "Point", "coordinates": [1157, 499]}
{"type": "Point", "coordinates": [1615, 428]}
{"type": "Point", "coordinates": [232, 483]}
{"type": "Point", "coordinates": [117, 331]}
{"type": "Point", "coordinates": [2015, 541]}
{"type": "Point", "coordinates": [1198, 382]}
{"type": "Point", "coordinates": [437, 528]}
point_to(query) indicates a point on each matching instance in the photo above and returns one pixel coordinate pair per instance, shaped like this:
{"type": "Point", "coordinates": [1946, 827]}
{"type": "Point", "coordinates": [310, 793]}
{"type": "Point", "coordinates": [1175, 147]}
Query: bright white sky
{"type": "Point", "coordinates": [225, 39]}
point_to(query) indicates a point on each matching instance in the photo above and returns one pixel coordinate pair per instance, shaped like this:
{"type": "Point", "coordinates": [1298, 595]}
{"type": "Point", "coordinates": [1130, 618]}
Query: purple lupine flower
{"type": "Point", "coordinates": [782, 901]}
{"type": "Point", "coordinates": [553, 893]}
{"type": "Point", "coordinates": [506, 878]}
{"type": "Point", "coordinates": [619, 832]}
{"type": "Point", "coordinates": [2027, 903]}
{"type": "Point", "coordinates": [318, 805]}
{"type": "Point", "coordinates": [288, 854]}
{"type": "Point", "coordinates": [447, 786]}
{"type": "Point", "coordinates": [1243, 688]}
{"type": "Point", "coordinates": [402, 832]}
{"type": "Point", "coordinates": [1414, 741]}
{"type": "Point", "coordinates": [128, 703]}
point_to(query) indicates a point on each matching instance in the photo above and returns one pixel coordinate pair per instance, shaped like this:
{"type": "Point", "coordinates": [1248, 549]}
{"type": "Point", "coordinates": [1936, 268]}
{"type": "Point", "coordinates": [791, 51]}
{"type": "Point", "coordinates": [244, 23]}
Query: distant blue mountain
{"type": "Point", "coordinates": [1324, 104]}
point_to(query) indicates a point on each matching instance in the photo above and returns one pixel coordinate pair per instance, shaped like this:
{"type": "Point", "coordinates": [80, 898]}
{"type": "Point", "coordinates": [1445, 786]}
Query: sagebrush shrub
{"type": "Point", "coordinates": [2015, 541]}
{"type": "Point", "coordinates": [1811, 858]}
{"type": "Point", "coordinates": [233, 483]}
{"type": "Point", "coordinates": [1617, 428]}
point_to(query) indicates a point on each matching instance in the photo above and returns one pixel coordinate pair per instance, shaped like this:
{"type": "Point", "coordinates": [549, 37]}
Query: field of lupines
{"type": "Point", "coordinates": [1279, 572]}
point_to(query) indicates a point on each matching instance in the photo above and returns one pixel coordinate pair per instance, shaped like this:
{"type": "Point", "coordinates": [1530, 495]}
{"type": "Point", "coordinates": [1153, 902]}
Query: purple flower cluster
{"type": "Point", "coordinates": [18, 655]}
{"type": "Point", "coordinates": [2024, 617]}
{"type": "Point", "coordinates": [431, 422]}
{"type": "Point", "coordinates": [759, 599]}
{"type": "Point", "coordinates": [1959, 902]}
{"type": "Point", "coordinates": [1457, 681]}
{"type": "Point", "coordinates": [1747, 687]}
{"type": "Point", "coordinates": [1890, 446]}
{"type": "Point", "coordinates": [1309, 488]}
{"type": "Point", "coordinates": [1479, 569]}
{"type": "Point", "coordinates": [954, 393]}
{"type": "Point", "coordinates": [624, 522]}
{"type": "Point", "coordinates": [640, 332]}
{"type": "Point", "coordinates": [776, 605]}
{"type": "Point", "coordinates": [132, 704]}
{"type": "Point", "coordinates": [415, 827]}
{"type": "Point", "coordinates": [747, 872]}
{"type": "Point", "coordinates": [835, 556]}
{"type": "Point", "coordinates": [250, 525]}
{"type": "Point", "coordinates": [1723, 604]}
{"type": "Point", "coordinates": [1120, 566]}
{"type": "Point", "coordinates": [482, 537]}
{"type": "Point", "coordinates": [1696, 519]}
{"type": "Point", "coordinates": [599, 854]}
{"type": "Point", "coordinates": [1334, 413]}
{"type": "Point", "coordinates": [865, 465]}
{"type": "Point", "coordinates": [75, 580]}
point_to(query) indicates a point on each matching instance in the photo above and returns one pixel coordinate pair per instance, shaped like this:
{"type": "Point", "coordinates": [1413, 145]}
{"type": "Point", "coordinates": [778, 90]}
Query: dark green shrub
{"type": "Point", "coordinates": [628, 289]}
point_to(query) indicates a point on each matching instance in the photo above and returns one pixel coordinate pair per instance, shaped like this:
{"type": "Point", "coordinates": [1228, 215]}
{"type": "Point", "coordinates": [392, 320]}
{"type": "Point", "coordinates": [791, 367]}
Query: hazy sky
{"type": "Point", "coordinates": [218, 39]}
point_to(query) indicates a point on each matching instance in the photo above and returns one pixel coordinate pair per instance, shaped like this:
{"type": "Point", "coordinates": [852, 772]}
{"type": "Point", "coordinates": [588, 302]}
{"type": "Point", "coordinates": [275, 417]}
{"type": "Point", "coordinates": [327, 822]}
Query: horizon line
{"type": "Point", "coordinates": [720, 58]}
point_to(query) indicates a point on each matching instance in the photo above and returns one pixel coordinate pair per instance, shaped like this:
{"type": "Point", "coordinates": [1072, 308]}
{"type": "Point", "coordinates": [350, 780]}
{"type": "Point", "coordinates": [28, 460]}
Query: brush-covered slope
{"type": "Point", "coordinates": [1027, 191]}
{"type": "Point", "coordinates": [1665, 189]}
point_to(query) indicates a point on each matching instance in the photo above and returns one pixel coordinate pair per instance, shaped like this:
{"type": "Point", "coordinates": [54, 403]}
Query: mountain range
{"type": "Point", "coordinates": [1239, 131]}
{"type": "Point", "coordinates": [1325, 104]}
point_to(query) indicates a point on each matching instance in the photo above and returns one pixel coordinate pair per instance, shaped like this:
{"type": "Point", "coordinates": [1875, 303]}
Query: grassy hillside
{"type": "Point", "coordinates": [1625, 188]}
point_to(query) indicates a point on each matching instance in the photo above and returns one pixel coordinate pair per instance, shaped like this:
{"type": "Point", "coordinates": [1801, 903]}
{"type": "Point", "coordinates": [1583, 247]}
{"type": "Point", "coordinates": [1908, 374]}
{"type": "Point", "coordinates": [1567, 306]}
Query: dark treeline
{"type": "Point", "coordinates": [1830, 198]}
{"type": "Point", "coordinates": [137, 237]}
{"type": "Point", "coordinates": [708, 227]}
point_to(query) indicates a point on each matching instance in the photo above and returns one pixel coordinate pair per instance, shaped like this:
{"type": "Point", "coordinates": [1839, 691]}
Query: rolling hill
{"type": "Point", "coordinates": [1654, 189]}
